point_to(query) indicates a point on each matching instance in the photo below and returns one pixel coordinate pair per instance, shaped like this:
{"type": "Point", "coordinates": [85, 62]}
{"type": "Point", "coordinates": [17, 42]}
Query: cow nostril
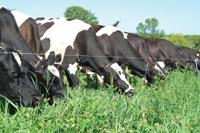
{"type": "Point", "coordinates": [36, 100]}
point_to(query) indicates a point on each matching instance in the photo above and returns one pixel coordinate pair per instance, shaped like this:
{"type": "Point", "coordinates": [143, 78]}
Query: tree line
{"type": "Point", "coordinates": [148, 29]}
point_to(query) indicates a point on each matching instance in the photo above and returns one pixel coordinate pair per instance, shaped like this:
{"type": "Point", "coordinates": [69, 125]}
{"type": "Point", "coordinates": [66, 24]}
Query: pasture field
{"type": "Point", "coordinates": [167, 106]}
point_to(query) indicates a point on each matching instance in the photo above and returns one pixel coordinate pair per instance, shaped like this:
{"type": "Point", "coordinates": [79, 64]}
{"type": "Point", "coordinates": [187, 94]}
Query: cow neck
{"type": "Point", "coordinates": [21, 44]}
{"type": "Point", "coordinates": [13, 38]}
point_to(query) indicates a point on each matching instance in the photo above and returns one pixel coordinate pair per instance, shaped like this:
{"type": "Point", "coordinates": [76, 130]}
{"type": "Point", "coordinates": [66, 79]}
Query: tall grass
{"type": "Point", "coordinates": [170, 105]}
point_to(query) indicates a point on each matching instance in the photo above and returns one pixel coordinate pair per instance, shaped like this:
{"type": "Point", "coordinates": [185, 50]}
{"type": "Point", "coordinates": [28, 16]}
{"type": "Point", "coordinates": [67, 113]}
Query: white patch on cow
{"type": "Point", "coordinates": [99, 78]}
{"type": "Point", "coordinates": [109, 30]}
{"type": "Point", "coordinates": [72, 68]}
{"type": "Point", "coordinates": [48, 19]}
{"type": "Point", "coordinates": [45, 20]}
{"type": "Point", "coordinates": [119, 71]}
{"type": "Point", "coordinates": [63, 34]}
{"type": "Point", "coordinates": [20, 17]}
{"type": "Point", "coordinates": [162, 65]}
{"type": "Point", "coordinates": [17, 58]}
{"type": "Point", "coordinates": [54, 70]}
{"type": "Point", "coordinates": [40, 57]}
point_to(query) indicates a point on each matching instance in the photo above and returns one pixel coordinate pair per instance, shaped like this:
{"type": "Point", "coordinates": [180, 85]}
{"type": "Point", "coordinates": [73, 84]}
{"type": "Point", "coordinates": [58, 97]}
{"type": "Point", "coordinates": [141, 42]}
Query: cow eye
{"type": "Point", "coordinates": [14, 73]}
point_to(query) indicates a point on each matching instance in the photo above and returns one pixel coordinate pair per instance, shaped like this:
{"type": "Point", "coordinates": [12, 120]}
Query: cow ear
{"type": "Point", "coordinates": [53, 70]}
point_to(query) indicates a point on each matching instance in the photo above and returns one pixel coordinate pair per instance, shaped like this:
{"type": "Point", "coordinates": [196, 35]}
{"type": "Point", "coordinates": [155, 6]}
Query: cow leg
{"type": "Point", "coordinates": [71, 73]}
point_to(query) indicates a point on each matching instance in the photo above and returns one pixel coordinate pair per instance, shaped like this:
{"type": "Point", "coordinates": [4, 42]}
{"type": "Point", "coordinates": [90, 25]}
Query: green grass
{"type": "Point", "coordinates": [168, 106]}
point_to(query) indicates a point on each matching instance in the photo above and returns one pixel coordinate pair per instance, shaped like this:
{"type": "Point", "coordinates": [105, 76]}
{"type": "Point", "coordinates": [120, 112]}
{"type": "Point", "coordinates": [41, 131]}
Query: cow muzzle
{"type": "Point", "coordinates": [36, 100]}
{"type": "Point", "coordinates": [130, 92]}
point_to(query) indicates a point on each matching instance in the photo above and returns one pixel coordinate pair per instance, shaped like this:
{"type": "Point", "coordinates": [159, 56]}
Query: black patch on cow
{"type": "Point", "coordinates": [70, 56]}
{"type": "Point", "coordinates": [46, 44]}
{"type": "Point", "coordinates": [50, 60]}
{"type": "Point", "coordinates": [43, 28]}
{"type": "Point", "coordinates": [58, 57]}
{"type": "Point", "coordinates": [52, 57]}
{"type": "Point", "coordinates": [39, 18]}
{"type": "Point", "coordinates": [69, 19]}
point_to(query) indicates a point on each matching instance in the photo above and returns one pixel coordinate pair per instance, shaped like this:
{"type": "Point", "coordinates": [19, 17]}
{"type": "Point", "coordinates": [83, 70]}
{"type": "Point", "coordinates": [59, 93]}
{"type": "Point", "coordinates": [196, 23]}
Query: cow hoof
{"type": "Point", "coordinates": [130, 92]}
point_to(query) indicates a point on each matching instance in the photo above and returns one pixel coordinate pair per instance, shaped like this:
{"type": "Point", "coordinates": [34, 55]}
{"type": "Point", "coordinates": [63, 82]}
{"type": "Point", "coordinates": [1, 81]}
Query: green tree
{"type": "Point", "coordinates": [148, 30]}
{"type": "Point", "coordinates": [178, 39]}
{"type": "Point", "coordinates": [77, 12]}
{"type": "Point", "coordinates": [194, 40]}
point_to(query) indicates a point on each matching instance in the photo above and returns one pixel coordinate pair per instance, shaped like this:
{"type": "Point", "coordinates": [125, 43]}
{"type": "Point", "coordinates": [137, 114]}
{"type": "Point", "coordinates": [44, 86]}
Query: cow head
{"type": "Point", "coordinates": [55, 86]}
{"type": "Point", "coordinates": [119, 79]}
{"type": "Point", "coordinates": [14, 82]}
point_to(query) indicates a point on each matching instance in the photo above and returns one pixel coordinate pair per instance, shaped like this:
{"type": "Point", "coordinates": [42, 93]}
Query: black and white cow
{"type": "Point", "coordinates": [117, 47]}
{"type": "Point", "coordinates": [12, 37]}
{"type": "Point", "coordinates": [74, 37]}
{"type": "Point", "coordinates": [14, 81]}
{"type": "Point", "coordinates": [139, 44]}
{"type": "Point", "coordinates": [171, 54]}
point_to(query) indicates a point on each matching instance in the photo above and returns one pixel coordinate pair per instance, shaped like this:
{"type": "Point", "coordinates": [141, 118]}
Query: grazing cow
{"type": "Point", "coordinates": [171, 54]}
{"type": "Point", "coordinates": [74, 37]}
{"type": "Point", "coordinates": [12, 37]}
{"type": "Point", "coordinates": [117, 47]}
{"type": "Point", "coordinates": [14, 81]}
{"type": "Point", "coordinates": [139, 44]}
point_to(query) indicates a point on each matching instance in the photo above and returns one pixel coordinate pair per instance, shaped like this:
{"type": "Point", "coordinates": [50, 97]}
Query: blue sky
{"type": "Point", "coordinates": [175, 16]}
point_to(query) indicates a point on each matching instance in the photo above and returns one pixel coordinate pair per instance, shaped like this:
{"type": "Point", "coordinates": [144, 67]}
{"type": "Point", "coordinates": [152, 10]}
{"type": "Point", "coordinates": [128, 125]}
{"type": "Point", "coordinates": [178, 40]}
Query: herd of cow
{"type": "Point", "coordinates": [43, 47]}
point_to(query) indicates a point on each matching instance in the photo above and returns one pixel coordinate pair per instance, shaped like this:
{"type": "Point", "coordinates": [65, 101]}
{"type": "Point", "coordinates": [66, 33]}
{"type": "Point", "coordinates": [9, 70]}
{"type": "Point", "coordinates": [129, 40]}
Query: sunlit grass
{"type": "Point", "coordinates": [167, 106]}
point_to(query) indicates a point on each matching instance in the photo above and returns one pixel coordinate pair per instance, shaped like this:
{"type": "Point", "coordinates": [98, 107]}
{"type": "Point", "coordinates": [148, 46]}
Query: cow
{"type": "Point", "coordinates": [14, 81]}
{"type": "Point", "coordinates": [139, 44]}
{"type": "Point", "coordinates": [12, 37]}
{"type": "Point", "coordinates": [170, 54]}
{"type": "Point", "coordinates": [72, 38]}
{"type": "Point", "coordinates": [117, 47]}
